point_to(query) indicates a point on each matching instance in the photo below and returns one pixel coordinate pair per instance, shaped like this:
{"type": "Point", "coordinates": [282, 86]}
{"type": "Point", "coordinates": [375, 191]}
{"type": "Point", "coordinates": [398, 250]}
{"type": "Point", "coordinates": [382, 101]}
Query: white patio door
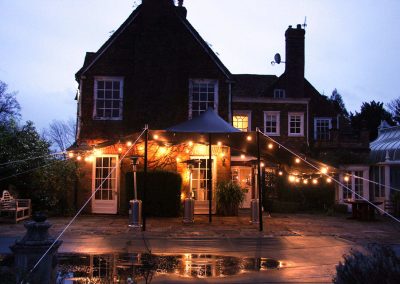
{"type": "Point", "coordinates": [105, 181]}
{"type": "Point", "coordinates": [199, 184]}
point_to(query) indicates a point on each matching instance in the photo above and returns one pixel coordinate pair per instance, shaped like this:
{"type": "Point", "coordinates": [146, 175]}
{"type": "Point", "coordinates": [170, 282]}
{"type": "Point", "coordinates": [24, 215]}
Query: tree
{"type": "Point", "coordinates": [394, 108]}
{"type": "Point", "coordinates": [9, 106]}
{"type": "Point", "coordinates": [370, 118]}
{"type": "Point", "coordinates": [61, 133]}
{"type": "Point", "coordinates": [339, 105]}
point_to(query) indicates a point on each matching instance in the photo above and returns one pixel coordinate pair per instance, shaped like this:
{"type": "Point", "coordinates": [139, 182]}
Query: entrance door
{"type": "Point", "coordinates": [200, 185]}
{"type": "Point", "coordinates": [105, 172]}
{"type": "Point", "coordinates": [242, 176]}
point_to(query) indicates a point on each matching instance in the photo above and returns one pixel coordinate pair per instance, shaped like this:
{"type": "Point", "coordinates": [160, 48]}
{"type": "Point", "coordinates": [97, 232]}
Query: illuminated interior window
{"type": "Point", "coordinates": [241, 122]}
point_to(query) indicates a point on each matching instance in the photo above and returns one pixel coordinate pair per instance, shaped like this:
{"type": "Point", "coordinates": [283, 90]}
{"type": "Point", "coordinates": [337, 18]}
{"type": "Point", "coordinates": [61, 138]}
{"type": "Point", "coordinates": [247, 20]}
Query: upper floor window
{"type": "Point", "coordinates": [272, 123]}
{"type": "Point", "coordinates": [279, 94]}
{"type": "Point", "coordinates": [296, 124]}
{"type": "Point", "coordinates": [108, 96]}
{"type": "Point", "coordinates": [202, 95]}
{"type": "Point", "coordinates": [321, 128]}
{"type": "Point", "coordinates": [242, 120]}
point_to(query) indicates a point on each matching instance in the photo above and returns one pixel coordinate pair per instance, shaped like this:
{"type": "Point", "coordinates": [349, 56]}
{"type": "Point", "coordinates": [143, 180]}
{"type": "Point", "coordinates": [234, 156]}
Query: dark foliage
{"type": "Point", "coordinates": [338, 103]}
{"type": "Point", "coordinates": [394, 108]}
{"type": "Point", "coordinates": [163, 192]}
{"type": "Point", "coordinates": [21, 150]}
{"type": "Point", "coordinates": [379, 265]}
{"type": "Point", "coordinates": [370, 118]}
{"type": "Point", "coordinates": [302, 197]}
{"type": "Point", "coordinates": [229, 196]}
{"type": "Point", "coordinates": [9, 106]}
{"type": "Point", "coordinates": [53, 188]}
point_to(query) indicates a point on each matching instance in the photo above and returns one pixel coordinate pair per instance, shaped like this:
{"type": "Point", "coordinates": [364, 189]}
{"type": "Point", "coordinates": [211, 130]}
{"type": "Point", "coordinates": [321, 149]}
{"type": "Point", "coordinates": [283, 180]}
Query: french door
{"type": "Point", "coordinates": [105, 183]}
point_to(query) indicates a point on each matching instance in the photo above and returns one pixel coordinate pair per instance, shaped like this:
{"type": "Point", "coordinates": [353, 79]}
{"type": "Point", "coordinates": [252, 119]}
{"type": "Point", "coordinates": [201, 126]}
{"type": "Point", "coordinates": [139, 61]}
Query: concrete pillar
{"type": "Point", "coordinates": [31, 248]}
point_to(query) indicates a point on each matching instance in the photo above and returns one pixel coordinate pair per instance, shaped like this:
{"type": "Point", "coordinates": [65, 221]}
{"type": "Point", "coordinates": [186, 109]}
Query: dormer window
{"type": "Point", "coordinates": [279, 94]}
{"type": "Point", "coordinates": [108, 94]}
{"type": "Point", "coordinates": [203, 93]}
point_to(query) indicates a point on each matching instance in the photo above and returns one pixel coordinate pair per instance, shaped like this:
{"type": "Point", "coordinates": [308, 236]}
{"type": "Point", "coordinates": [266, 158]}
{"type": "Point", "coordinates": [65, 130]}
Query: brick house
{"type": "Point", "coordinates": [156, 69]}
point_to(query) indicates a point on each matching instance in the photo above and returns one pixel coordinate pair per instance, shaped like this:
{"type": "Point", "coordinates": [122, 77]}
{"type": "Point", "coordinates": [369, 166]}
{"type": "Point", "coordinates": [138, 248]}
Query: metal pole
{"type": "Point", "coordinates": [259, 180]}
{"type": "Point", "coordinates": [146, 138]}
{"type": "Point", "coordinates": [209, 179]}
{"type": "Point", "coordinates": [134, 182]}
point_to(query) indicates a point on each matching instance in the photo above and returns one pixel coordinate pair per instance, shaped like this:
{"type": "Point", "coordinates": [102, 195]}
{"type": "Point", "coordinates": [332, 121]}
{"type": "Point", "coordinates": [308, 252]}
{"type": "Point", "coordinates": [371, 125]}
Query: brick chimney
{"type": "Point", "coordinates": [294, 69]}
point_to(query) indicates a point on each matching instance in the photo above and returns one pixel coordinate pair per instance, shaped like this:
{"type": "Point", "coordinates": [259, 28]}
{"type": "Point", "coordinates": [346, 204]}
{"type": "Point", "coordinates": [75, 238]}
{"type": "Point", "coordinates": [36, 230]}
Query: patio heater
{"type": "Point", "coordinates": [135, 204]}
{"type": "Point", "coordinates": [188, 204]}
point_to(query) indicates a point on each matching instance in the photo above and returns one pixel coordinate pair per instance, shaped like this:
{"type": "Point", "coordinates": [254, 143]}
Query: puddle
{"type": "Point", "coordinates": [143, 268]}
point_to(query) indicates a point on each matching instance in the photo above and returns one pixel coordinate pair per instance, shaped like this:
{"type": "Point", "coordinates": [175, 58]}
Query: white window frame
{"type": "Point", "coordinates": [277, 114]}
{"type": "Point", "coordinates": [329, 119]}
{"type": "Point", "coordinates": [203, 81]}
{"type": "Point", "coordinates": [121, 98]}
{"type": "Point", "coordinates": [292, 114]}
{"type": "Point", "coordinates": [243, 113]}
{"type": "Point", "coordinates": [279, 94]}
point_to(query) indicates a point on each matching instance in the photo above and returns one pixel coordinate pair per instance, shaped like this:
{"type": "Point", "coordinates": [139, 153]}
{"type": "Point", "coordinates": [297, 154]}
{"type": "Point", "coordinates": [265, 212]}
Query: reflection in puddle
{"type": "Point", "coordinates": [142, 268]}
{"type": "Point", "coordinates": [130, 268]}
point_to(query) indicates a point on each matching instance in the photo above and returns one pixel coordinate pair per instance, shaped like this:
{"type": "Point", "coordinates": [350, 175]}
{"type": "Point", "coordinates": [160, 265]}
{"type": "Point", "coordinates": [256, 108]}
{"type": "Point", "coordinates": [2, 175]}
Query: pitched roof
{"type": "Point", "coordinates": [387, 146]}
{"type": "Point", "coordinates": [92, 57]}
{"type": "Point", "coordinates": [252, 85]}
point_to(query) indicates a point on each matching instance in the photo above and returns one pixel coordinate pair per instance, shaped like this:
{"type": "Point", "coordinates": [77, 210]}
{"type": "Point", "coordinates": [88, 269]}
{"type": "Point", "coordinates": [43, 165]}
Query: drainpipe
{"type": "Point", "coordinates": [230, 102]}
{"type": "Point", "coordinates": [308, 142]}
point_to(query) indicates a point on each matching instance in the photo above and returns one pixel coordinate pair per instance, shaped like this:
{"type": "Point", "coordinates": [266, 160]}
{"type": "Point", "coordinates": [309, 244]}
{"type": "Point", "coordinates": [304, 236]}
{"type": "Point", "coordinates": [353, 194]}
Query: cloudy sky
{"type": "Point", "coordinates": [350, 45]}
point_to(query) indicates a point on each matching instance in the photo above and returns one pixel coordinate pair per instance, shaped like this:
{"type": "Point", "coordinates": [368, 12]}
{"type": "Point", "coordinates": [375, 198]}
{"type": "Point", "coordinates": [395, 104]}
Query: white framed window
{"type": "Point", "coordinates": [296, 124]}
{"type": "Point", "coordinates": [108, 95]}
{"type": "Point", "coordinates": [203, 93]}
{"type": "Point", "coordinates": [377, 174]}
{"type": "Point", "coordinates": [322, 126]}
{"type": "Point", "coordinates": [279, 93]}
{"type": "Point", "coordinates": [272, 123]}
{"type": "Point", "coordinates": [242, 120]}
{"type": "Point", "coordinates": [358, 184]}
{"type": "Point", "coordinates": [347, 194]}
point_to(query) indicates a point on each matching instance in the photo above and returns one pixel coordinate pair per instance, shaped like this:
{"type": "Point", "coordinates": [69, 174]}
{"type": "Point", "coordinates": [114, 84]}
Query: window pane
{"type": "Point", "coordinates": [109, 90]}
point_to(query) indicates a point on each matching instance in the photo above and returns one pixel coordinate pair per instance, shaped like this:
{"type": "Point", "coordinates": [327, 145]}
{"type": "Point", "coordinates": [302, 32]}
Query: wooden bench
{"type": "Point", "coordinates": [19, 209]}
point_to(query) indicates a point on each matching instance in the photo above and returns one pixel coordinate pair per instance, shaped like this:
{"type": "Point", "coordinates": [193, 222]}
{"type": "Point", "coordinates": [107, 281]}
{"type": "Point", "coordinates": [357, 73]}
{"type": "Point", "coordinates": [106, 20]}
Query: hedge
{"type": "Point", "coordinates": [163, 193]}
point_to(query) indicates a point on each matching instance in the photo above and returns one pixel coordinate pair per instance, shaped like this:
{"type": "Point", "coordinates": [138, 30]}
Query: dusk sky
{"type": "Point", "coordinates": [353, 46]}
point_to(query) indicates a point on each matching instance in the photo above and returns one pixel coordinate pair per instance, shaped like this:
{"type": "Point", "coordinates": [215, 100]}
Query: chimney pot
{"type": "Point", "coordinates": [298, 26]}
{"type": "Point", "coordinates": [290, 26]}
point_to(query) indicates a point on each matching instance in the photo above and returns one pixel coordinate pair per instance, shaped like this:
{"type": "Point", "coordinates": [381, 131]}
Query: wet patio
{"type": "Point", "coordinates": [307, 245]}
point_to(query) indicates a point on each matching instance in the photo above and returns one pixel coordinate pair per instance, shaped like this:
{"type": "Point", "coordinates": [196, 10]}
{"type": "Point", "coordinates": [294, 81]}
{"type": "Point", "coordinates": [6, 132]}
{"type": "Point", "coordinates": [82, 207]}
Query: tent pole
{"type": "Point", "coordinates": [259, 181]}
{"type": "Point", "coordinates": [146, 139]}
{"type": "Point", "coordinates": [209, 178]}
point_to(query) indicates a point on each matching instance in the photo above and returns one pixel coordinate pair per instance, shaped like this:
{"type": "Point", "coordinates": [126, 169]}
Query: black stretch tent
{"type": "Point", "coordinates": [208, 123]}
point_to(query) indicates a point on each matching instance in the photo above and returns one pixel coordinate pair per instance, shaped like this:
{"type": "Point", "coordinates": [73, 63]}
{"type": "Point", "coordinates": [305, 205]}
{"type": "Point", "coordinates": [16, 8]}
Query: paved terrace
{"type": "Point", "coordinates": [309, 245]}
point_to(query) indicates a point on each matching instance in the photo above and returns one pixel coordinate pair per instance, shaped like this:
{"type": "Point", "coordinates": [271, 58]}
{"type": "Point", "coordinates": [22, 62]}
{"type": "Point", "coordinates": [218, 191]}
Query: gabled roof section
{"type": "Point", "coordinates": [206, 47]}
{"type": "Point", "coordinates": [251, 85]}
{"type": "Point", "coordinates": [92, 57]}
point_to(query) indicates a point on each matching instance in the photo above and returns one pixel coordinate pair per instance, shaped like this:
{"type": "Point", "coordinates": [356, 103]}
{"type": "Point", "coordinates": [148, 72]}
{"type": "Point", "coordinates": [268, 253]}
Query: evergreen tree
{"type": "Point", "coordinates": [370, 118]}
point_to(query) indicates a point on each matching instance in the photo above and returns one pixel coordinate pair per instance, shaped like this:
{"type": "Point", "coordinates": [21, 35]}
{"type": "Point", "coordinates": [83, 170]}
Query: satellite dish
{"type": "Point", "coordinates": [277, 58]}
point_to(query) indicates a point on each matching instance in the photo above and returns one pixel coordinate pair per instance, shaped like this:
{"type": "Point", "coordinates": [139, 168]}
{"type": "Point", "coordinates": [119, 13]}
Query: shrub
{"type": "Point", "coordinates": [379, 265]}
{"type": "Point", "coordinates": [284, 206]}
{"type": "Point", "coordinates": [163, 193]}
{"type": "Point", "coordinates": [229, 196]}
{"type": "Point", "coordinates": [340, 208]}
{"type": "Point", "coordinates": [53, 187]}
